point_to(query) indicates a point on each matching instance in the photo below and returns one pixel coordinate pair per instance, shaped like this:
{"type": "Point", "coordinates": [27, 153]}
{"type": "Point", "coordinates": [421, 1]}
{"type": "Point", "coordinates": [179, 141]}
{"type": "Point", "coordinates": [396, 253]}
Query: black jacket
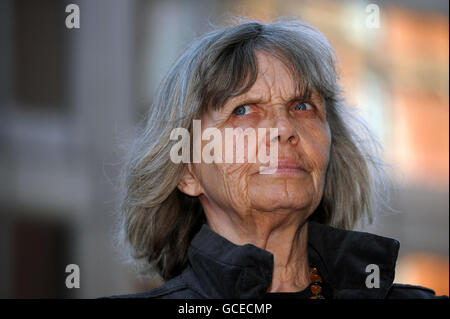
{"type": "Point", "coordinates": [220, 269]}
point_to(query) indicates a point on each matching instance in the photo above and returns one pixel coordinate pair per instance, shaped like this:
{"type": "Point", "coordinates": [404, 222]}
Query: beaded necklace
{"type": "Point", "coordinates": [316, 284]}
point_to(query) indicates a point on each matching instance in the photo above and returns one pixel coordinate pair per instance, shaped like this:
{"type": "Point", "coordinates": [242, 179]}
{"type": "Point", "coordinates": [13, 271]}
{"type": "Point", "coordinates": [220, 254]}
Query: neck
{"type": "Point", "coordinates": [292, 273]}
{"type": "Point", "coordinates": [282, 233]}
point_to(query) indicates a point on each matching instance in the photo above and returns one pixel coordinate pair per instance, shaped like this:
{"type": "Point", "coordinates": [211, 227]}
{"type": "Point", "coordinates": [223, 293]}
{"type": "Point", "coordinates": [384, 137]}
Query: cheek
{"type": "Point", "coordinates": [230, 159]}
{"type": "Point", "coordinates": [225, 184]}
{"type": "Point", "coordinates": [316, 143]}
{"type": "Point", "coordinates": [228, 186]}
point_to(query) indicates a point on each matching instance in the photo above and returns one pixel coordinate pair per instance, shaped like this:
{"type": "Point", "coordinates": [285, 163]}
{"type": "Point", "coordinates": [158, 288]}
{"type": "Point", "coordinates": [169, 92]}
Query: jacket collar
{"type": "Point", "coordinates": [220, 269]}
{"type": "Point", "coordinates": [343, 256]}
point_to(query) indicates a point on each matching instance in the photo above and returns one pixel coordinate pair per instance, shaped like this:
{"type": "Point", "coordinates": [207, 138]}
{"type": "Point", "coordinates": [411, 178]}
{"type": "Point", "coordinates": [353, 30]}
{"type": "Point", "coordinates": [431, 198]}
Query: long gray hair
{"type": "Point", "coordinates": [157, 220]}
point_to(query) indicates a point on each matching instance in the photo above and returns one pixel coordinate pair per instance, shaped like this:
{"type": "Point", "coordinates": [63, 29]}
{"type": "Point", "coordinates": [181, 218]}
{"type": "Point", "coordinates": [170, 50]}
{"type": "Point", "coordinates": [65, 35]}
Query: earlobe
{"type": "Point", "coordinates": [189, 184]}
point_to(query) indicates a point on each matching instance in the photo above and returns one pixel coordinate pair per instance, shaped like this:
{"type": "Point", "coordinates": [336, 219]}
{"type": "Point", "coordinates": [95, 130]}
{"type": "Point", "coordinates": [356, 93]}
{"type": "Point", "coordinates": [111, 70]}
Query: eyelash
{"type": "Point", "coordinates": [244, 105]}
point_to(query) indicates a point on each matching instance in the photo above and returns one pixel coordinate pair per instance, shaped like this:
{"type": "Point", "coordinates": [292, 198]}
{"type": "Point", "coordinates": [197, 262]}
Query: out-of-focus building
{"type": "Point", "coordinates": [71, 98]}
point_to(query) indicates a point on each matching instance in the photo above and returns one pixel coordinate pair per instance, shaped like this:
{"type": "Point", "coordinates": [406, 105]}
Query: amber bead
{"type": "Point", "coordinates": [316, 278]}
{"type": "Point", "coordinates": [316, 289]}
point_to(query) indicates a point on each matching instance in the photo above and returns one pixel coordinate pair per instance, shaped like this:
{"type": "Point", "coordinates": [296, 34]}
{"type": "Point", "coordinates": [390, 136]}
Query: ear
{"type": "Point", "coordinates": [189, 183]}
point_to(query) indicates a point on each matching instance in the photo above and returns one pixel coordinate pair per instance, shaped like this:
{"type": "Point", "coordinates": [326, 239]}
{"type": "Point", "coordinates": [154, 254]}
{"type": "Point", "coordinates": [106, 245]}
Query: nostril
{"type": "Point", "coordinates": [292, 139]}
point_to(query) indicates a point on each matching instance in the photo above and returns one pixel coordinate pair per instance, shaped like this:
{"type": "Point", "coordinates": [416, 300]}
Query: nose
{"type": "Point", "coordinates": [287, 133]}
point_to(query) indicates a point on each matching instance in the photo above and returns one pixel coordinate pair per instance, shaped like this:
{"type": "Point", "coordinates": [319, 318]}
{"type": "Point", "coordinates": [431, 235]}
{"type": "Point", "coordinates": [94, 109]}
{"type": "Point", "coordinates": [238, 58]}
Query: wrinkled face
{"type": "Point", "coordinates": [303, 149]}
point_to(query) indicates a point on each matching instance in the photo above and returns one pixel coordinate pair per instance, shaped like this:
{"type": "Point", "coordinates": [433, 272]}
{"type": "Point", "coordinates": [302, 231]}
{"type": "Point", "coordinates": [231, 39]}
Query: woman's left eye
{"type": "Point", "coordinates": [302, 106]}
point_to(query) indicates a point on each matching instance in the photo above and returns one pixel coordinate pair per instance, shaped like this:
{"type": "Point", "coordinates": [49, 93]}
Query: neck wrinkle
{"type": "Point", "coordinates": [297, 270]}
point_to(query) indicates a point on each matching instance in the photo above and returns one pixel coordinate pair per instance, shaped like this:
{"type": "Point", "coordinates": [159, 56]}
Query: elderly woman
{"type": "Point", "coordinates": [228, 229]}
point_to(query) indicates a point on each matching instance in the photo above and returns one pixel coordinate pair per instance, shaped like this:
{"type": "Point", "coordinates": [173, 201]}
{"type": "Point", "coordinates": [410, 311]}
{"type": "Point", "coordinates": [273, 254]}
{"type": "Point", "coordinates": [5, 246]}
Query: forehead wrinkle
{"type": "Point", "coordinates": [274, 80]}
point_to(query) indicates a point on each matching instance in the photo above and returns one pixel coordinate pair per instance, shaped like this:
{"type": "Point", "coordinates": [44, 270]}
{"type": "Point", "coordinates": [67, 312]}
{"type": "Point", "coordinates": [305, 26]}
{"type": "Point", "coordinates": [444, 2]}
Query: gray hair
{"type": "Point", "coordinates": [158, 221]}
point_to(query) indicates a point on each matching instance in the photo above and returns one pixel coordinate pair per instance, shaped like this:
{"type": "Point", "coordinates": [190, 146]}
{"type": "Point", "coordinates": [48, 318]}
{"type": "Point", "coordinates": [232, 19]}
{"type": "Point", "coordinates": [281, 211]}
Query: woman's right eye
{"type": "Point", "coordinates": [241, 110]}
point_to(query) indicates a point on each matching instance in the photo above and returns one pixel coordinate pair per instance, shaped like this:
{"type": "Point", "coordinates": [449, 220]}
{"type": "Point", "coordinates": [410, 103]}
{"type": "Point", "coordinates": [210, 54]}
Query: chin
{"type": "Point", "coordinates": [282, 204]}
{"type": "Point", "coordinates": [282, 195]}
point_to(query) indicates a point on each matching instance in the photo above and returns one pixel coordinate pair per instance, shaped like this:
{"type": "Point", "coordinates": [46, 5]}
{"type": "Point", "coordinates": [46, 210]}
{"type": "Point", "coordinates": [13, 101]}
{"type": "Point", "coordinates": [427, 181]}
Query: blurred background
{"type": "Point", "coordinates": [70, 99]}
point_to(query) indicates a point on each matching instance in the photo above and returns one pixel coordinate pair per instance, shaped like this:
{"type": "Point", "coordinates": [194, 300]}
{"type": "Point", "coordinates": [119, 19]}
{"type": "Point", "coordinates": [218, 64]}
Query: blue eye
{"type": "Point", "coordinates": [241, 110]}
{"type": "Point", "coordinates": [302, 107]}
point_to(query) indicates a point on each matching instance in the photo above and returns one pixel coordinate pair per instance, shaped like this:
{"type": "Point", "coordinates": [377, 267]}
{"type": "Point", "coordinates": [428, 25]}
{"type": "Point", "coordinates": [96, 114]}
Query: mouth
{"type": "Point", "coordinates": [283, 167]}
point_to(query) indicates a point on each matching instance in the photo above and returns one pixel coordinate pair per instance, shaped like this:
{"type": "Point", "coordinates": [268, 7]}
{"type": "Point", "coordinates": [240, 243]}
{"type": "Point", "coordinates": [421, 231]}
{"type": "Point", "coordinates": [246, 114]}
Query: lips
{"type": "Point", "coordinates": [284, 166]}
